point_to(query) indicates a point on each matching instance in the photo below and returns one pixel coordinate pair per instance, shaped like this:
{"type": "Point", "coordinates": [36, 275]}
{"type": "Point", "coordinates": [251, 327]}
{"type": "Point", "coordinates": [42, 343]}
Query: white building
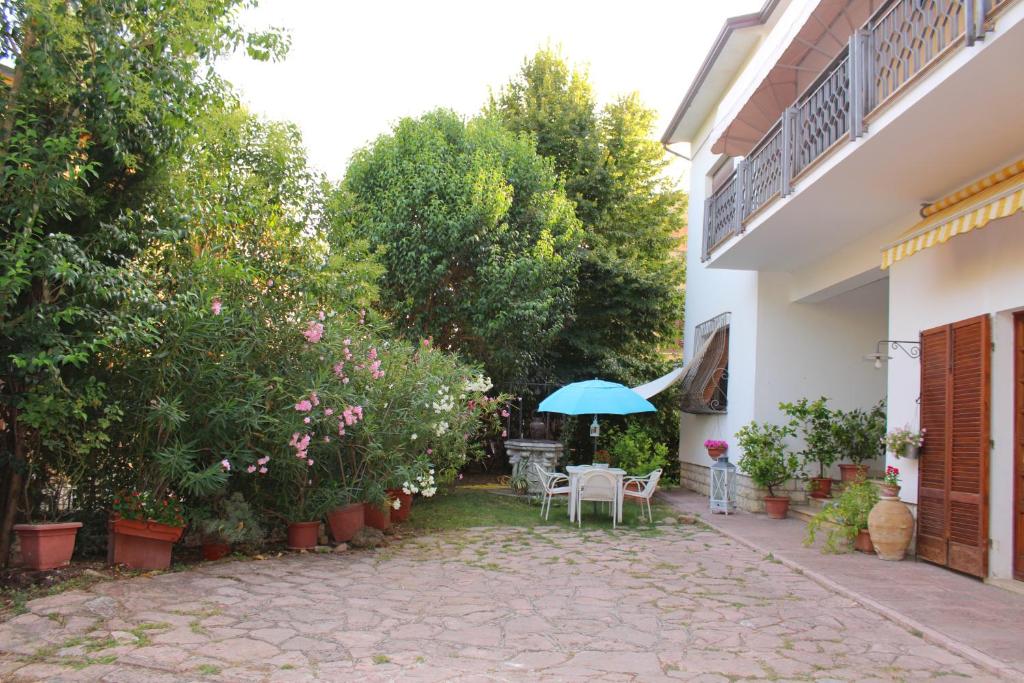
{"type": "Point", "coordinates": [857, 177]}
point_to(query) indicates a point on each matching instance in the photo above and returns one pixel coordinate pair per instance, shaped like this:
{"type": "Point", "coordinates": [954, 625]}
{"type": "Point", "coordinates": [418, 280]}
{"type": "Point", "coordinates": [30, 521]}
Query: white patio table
{"type": "Point", "coordinates": [574, 472]}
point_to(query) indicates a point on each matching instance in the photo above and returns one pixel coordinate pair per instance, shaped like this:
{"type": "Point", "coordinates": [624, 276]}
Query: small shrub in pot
{"type": "Point", "coordinates": [768, 461]}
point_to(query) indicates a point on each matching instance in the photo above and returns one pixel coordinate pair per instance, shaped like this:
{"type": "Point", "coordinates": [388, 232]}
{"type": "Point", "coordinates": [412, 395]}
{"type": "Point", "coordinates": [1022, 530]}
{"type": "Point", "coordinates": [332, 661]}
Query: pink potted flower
{"type": "Point", "coordinates": [716, 448]}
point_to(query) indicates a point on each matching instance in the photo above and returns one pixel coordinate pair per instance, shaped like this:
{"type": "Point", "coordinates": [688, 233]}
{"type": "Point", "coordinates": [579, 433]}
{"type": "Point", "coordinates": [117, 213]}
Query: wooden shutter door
{"type": "Point", "coordinates": [931, 492]}
{"type": "Point", "coordinates": [968, 482]}
{"type": "Point", "coordinates": [953, 482]}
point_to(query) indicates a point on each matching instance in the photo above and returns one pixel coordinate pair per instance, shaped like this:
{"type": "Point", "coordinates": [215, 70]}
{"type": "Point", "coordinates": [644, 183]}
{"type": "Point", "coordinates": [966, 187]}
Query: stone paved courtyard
{"type": "Point", "coordinates": [677, 603]}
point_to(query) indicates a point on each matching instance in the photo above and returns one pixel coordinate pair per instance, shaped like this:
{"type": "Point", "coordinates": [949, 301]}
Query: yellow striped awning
{"type": "Point", "coordinates": [996, 196]}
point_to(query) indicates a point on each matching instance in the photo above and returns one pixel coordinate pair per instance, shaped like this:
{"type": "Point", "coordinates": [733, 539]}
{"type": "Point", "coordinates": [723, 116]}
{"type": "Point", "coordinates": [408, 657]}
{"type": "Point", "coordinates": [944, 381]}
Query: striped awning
{"type": "Point", "coordinates": [996, 196]}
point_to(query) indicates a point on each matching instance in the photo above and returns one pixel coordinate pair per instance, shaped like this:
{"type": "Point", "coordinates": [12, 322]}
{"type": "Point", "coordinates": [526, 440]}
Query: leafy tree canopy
{"type": "Point", "coordinates": [479, 242]}
{"type": "Point", "coordinates": [629, 296]}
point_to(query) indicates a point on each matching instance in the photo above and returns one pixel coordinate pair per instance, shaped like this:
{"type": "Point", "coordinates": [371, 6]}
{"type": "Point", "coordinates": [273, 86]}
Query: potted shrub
{"type": "Point", "coordinates": [345, 515]}
{"type": "Point", "coordinates": [847, 519]}
{"type": "Point", "coordinates": [904, 443]}
{"type": "Point", "coordinates": [47, 545]}
{"type": "Point", "coordinates": [768, 461]}
{"type": "Point", "coordinates": [858, 436]}
{"type": "Point", "coordinates": [814, 419]}
{"type": "Point", "coordinates": [716, 448]}
{"type": "Point", "coordinates": [229, 523]}
{"type": "Point", "coordinates": [144, 528]}
{"type": "Point", "coordinates": [416, 479]}
{"type": "Point", "coordinates": [377, 506]}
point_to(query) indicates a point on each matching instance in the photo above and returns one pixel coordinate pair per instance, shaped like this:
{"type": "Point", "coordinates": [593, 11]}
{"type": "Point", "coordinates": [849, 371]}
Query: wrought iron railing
{"type": "Point", "coordinates": [901, 40]}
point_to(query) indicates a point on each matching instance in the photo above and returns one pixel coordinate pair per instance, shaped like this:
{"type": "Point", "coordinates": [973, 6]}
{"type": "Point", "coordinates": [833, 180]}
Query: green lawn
{"type": "Point", "coordinates": [478, 505]}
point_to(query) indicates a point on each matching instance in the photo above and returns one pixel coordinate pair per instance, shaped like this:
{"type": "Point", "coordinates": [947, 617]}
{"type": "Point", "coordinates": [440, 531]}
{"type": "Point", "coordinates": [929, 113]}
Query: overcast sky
{"type": "Point", "coordinates": [355, 68]}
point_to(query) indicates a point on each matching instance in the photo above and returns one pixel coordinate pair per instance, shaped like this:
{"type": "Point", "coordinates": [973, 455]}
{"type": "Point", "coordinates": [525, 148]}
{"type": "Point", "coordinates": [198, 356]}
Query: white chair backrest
{"type": "Point", "coordinates": [598, 484]}
{"type": "Point", "coordinates": [545, 476]}
{"type": "Point", "coordinates": [651, 483]}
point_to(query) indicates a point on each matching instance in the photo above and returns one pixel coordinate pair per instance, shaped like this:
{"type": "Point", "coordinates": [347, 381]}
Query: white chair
{"type": "Point", "coordinates": [598, 485]}
{"type": "Point", "coordinates": [553, 486]}
{"type": "Point", "coordinates": [642, 489]}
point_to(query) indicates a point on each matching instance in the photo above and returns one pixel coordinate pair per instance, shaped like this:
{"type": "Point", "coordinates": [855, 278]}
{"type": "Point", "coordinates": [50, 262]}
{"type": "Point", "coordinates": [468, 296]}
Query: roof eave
{"type": "Point", "coordinates": [732, 24]}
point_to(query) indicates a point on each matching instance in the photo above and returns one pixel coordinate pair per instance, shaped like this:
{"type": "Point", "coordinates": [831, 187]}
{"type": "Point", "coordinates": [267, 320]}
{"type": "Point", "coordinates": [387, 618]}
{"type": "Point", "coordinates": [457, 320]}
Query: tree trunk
{"type": "Point", "coordinates": [15, 482]}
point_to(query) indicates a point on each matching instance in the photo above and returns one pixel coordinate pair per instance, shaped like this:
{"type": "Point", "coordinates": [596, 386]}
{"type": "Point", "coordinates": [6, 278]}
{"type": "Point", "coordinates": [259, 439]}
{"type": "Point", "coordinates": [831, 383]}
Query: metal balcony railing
{"type": "Point", "coordinates": [901, 40]}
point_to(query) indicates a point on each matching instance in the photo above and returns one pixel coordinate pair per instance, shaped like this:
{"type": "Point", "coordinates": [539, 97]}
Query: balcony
{"type": "Point", "coordinates": [898, 43]}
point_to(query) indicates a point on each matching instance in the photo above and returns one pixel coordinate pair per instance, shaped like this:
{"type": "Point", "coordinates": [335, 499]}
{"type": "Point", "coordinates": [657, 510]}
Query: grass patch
{"type": "Point", "coordinates": [477, 506]}
{"type": "Point", "coordinates": [142, 638]}
{"type": "Point", "coordinates": [208, 669]}
{"type": "Point", "coordinates": [381, 659]}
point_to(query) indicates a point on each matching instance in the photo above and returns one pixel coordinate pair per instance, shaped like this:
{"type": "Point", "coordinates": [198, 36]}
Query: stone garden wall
{"type": "Point", "coordinates": [749, 497]}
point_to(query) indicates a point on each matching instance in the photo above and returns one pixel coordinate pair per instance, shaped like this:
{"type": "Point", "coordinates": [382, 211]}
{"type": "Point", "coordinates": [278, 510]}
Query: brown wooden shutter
{"type": "Point", "coordinates": [968, 482]}
{"type": "Point", "coordinates": [953, 482]}
{"type": "Point", "coordinates": [931, 491]}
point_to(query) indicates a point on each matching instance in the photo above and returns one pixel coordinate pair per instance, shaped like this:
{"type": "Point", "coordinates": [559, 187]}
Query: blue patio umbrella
{"type": "Point", "coordinates": [596, 397]}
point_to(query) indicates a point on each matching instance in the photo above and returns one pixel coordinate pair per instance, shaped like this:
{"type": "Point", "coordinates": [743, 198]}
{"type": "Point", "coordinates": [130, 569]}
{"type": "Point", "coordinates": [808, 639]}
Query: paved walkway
{"type": "Point", "coordinates": [981, 621]}
{"type": "Point", "coordinates": [677, 602]}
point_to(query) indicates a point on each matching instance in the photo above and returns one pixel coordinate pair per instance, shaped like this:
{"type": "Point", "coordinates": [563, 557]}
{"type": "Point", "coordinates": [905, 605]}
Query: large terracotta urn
{"type": "Point", "coordinates": [891, 527]}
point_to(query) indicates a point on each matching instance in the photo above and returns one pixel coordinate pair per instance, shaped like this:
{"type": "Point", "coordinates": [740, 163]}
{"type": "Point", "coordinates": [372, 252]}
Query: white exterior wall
{"type": "Point", "coordinates": [973, 274]}
{"type": "Point", "coordinates": [710, 293]}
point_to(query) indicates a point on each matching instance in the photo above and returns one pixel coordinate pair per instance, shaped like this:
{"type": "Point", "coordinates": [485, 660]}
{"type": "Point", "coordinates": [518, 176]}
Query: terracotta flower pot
{"type": "Point", "coordinates": [215, 551]}
{"type": "Point", "coordinates": [405, 505]}
{"type": "Point", "coordinates": [715, 453]}
{"type": "Point", "coordinates": [822, 487]}
{"type": "Point", "coordinates": [345, 521]}
{"type": "Point", "coordinates": [377, 517]}
{"type": "Point", "coordinates": [47, 546]}
{"type": "Point", "coordinates": [142, 544]}
{"type": "Point", "coordinates": [303, 535]}
{"type": "Point", "coordinates": [891, 526]}
{"type": "Point", "coordinates": [850, 473]}
{"type": "Point", "coordinates": [890, 491]}
{"type": "Point", "coordinates": [776, 506]}
{"type": "Point", "coordinates": [862, 542]}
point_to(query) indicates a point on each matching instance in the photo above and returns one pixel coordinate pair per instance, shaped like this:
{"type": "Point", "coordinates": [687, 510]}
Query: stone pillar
{"type": "Point", "coordinates": [534, 451]}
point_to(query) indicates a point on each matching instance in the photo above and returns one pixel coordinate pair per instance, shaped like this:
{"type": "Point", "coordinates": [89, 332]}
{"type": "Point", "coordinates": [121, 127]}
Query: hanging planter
{"type": "Point", "coordinates": [904, 443]}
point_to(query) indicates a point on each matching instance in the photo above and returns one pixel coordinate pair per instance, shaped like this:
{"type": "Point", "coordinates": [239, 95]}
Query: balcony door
{"type": "Point", "coordinates": [952, 502]}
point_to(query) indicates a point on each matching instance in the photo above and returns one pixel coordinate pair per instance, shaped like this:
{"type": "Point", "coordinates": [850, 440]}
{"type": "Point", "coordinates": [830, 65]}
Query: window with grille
{"type": "Point", "coordinates": [706, 380]}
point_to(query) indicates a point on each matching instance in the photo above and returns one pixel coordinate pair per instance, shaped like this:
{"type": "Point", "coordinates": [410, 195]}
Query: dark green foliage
{"type": "Point", "coordinates": [847, 516]}
{"type": "Point", "coordinates": [478, 242]}
{"type": "Point", "coordinates": [766, 456]}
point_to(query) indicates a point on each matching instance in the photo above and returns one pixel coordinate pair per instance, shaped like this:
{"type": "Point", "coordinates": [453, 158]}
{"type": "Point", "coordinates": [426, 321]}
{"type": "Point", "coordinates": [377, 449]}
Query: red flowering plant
{"type": "Point", "coordinates": [892, 477]}
{"type": "Point", "coordinates": [145, 507]}
{"type": "Point", "coordinates": [715, 444]}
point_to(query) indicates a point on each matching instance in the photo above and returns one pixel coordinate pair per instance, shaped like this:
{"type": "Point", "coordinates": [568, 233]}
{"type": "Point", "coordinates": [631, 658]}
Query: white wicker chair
{"type": "Point", "coordinates": [598, 485]}
{"type": "Point", "coordinates": [643, 489]}
{"type": "Point", "coordinates": [553, 486]}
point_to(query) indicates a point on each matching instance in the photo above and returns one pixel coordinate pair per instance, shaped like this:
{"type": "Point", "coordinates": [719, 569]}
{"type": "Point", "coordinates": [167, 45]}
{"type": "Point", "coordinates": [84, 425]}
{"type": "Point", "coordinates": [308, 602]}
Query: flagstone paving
{"type": "Point", "coordinates": [679, 602]}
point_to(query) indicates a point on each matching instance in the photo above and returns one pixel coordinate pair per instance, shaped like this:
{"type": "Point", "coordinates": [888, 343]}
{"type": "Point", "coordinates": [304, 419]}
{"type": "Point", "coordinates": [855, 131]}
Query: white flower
{"type": "Point", "coordinates": [413, 437]}
{"type": "Point", "coordinates": [396, 504]}
{"type": "Point", "coordinates": [427, 493]}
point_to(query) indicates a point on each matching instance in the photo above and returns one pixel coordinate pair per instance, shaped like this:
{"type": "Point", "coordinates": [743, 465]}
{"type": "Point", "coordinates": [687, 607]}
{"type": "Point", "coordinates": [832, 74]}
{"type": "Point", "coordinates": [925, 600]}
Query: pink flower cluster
{"type": "Point", "coordinates": [301, 445]}
{"type": "Point", "coordinates": [261, 464]}
{"type": "Point", "coordinates": [216, 305]}
{"type": "Point", "coordinates": [349, 417]}
{"type": "Point", "coordinates": [314, 332]}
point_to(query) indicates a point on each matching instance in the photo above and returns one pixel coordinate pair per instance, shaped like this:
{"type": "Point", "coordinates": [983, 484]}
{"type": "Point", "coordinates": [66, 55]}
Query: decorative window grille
{"type": "Point", "coordinates": [706, 381]}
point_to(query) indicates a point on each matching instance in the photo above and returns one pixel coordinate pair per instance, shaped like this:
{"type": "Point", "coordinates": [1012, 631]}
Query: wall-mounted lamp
{"type": "Point", "coordinates": [911, 348]}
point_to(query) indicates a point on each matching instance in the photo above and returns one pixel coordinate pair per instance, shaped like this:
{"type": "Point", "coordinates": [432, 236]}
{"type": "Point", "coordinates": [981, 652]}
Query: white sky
{"type": "Point", "coordinates": [355, 68]}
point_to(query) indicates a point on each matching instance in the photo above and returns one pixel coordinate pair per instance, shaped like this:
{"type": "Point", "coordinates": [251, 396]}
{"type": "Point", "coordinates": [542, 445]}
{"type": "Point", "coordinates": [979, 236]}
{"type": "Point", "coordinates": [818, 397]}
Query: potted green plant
{"type": "Point", "coordinates": [858, 436]}
{"type": "Point", "coordinates": [846, 519]}
{"type": "Point", "coordinates": [377, 506]}
{"type": "Point", "coordinates": [814, 420]}
{"type": "Point", "coordinates": [344, 510]}
{"type": "Point", "coordinates": [143, 529]}
{"type": "Point", "coordinates": [414, 479]}
{"type": "Point", "coordinates": [229, 522]}
{"type": "Point", "coordinates": [768, 462]}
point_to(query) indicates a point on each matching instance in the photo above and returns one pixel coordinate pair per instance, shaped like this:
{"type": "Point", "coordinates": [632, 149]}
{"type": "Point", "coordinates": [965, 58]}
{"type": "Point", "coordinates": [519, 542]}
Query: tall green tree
{"type": "Point", "coordinates": [477, 238]}
{"type": "Point", "coordinates": [100, 90]}
{"type": "Point", "coordinates": [629, 298]}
